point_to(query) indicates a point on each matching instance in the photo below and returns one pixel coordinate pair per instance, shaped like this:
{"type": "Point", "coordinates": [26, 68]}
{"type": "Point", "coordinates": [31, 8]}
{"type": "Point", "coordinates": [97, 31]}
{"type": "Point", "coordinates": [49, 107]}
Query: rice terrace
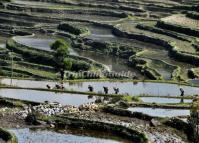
{"type": "Point", "coordinates": [99, 71]}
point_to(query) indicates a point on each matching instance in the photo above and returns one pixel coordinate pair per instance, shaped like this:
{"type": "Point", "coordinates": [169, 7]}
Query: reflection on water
{"type": "Point", "coordinates": [132, 88]}
{"type": "Point", "coordinates": [39, 43]}
{"type": "Point", "coordinates": [64, 136]}
{"type": "Point", "coordinates": [194, 82]}
{"type": "Point", "coordinates": [116, 64]}
{"type": "Point", "coordinates": [2, 45]}
{"type": "Point", "coordinates": [3, 41]}
{"type": "Point", "coordinates": [100, 33]}
{"type": "Point", "coordinates": [157, 112]}
{"type": "Point", "coordinates": [42, 96]}
{"type": "Point", "coordinates": [97, 33]}
{"type": "Point", "coordinates": [164, 100]}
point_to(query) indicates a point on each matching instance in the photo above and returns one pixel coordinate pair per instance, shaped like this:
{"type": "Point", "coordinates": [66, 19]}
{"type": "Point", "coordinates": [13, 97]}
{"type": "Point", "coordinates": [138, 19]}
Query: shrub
{"type": "Point", "coordinates": [80, 65]}
{"type": "Point", "coordinates": [71, 28]}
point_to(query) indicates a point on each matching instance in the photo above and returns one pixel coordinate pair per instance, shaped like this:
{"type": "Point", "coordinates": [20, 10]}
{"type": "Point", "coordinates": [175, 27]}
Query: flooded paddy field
{"type": "Point", "coordinates": [151, 52]}
{"type": "Point", "coordinates": [131, 88]}
{"type": "Point", "coordinates": [164, 100]}
{"type": "Point", "coordinates": [42, 96]}
{"type": "Point", "coordinates": [116, 64]}
{"type": "Point", "coordinates": [60, 136]}
{"type": "Point", "coordinates": [3, 41]}
{"type": "Point", "coordinates": [194, 82]}
{"type": "Point", "coordinates": [156, 112]}
{"type": "Point", "coordinates": [105, 34]}
{"type": "Point", "coordinates": [43, 44]}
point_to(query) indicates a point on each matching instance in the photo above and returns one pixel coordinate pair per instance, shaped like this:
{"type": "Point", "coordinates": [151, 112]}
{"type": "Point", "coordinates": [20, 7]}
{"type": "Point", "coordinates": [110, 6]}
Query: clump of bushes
{"type": "Point", "coordinates": [62, 60]}
{"type": "Point", "coordinates": [80, 65]}
{"type": "Point", "coordinates": [72, 28]}
{"type": "Point", "coordinates": [113, 48]}
{"type": "Point", "coordinates": [60, 56]}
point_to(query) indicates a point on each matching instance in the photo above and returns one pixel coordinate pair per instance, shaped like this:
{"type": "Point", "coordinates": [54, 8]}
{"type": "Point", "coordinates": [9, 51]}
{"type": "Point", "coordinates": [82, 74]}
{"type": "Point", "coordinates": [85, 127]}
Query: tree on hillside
{"type": "Point", "coordinates": [61, 52]}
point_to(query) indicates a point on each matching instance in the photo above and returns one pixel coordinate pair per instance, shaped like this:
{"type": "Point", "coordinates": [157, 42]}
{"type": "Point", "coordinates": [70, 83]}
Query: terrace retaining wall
{"type": "Point", "coordinates": [126, 132]}
{"type": "Point", "coordinates": [170, 46]}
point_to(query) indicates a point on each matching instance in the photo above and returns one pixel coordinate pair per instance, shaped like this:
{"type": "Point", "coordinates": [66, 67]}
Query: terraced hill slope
{"type": "Point", "coordinates": [154, 39]}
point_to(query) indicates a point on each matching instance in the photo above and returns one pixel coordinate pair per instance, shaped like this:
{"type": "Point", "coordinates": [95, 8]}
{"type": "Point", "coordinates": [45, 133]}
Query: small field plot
{"type": "Point", "coordinates": [164, 69]}
{"type": "Point", "coordinates": [182, 20]}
